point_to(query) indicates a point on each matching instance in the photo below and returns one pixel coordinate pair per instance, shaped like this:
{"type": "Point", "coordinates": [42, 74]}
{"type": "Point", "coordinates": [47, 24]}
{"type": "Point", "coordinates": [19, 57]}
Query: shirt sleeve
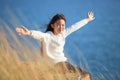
{"type": "Point", "coordinates": [75, 27]}
{"type": "Point", "coordinates": [38, 35]}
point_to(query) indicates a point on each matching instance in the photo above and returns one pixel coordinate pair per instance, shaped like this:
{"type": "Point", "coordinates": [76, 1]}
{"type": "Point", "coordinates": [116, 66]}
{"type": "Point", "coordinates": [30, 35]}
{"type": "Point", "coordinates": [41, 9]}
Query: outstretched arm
{"type": "Point", "coordinates": [23, 31]}
{"type": "Point", "coordinates": [78, 25]}
{"type": "Point", "coordinates": [33, 33]}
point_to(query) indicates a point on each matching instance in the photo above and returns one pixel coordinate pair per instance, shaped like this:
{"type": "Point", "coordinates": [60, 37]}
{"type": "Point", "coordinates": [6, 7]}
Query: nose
{"type": "Point", "coordinates": [61, 27]}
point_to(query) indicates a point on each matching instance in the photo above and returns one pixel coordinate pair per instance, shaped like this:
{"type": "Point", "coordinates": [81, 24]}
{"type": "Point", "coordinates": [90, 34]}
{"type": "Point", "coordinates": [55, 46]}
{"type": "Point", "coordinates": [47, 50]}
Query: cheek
{"type": "Point", "coordinates": [62, 29]}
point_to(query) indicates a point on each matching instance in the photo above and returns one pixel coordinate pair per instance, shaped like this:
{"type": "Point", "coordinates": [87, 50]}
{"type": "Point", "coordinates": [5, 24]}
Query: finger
{"type": "Point", "coordinates": [91, 13]}
{"type": "Point", "coordinates": [18, 29]}
{"type": "Point", "coordinates": [88, 13]}
{"type": "Point", "coordinates": [24, 28]}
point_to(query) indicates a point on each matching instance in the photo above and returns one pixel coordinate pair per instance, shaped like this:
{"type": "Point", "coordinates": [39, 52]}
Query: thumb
{"type": "Point", "coordinates": [24, 28]}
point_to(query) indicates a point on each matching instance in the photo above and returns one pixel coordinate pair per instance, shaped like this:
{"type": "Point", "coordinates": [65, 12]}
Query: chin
{"type": "Point", "coordinates": [60, 32]}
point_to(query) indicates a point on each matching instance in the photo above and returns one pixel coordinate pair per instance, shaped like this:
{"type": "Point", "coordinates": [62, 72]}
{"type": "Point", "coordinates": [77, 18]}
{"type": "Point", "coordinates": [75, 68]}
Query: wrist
{"type": "Point", "coordinates": [88, 19]}
{"type": "Point", "coordinates": [29, 33]}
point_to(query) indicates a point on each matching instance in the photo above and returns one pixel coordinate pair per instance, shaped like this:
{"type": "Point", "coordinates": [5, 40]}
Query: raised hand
{"type": "Point", "coordinates": [23, 31]}
{"type": "Point", "coordinates": [90, 16]}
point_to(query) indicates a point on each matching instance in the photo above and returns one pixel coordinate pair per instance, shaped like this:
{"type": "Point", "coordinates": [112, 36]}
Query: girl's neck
{"type": "Point", "coordinates": [56, 33]}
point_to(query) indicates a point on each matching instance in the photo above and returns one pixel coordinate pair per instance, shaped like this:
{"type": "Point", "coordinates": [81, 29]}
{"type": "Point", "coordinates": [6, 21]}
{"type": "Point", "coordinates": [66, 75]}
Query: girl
{"type": "Point", "coordinates": [53, 40]}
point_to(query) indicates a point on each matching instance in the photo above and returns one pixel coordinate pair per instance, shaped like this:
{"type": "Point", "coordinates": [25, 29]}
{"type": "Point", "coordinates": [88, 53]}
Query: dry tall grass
{"type": "Point", "coordinates": [20, 60]}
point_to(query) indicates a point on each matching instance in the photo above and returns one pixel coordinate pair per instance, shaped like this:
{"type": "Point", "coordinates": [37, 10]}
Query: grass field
{"type": "Point", "coordinates": [21, 60]}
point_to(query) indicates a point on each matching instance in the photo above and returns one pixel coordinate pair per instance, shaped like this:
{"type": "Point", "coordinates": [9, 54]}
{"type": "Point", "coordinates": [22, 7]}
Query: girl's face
{"type": "Point", "coordinates": [58, 26]}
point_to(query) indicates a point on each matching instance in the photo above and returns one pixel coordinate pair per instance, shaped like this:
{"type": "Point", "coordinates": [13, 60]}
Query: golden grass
{"type": "Point", "coordinates": [20, 60]}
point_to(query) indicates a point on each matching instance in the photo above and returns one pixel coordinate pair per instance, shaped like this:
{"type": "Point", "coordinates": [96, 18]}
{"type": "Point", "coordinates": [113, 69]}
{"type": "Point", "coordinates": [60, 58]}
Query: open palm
{"type": "Point", "coordinates": [90, 16]}
{"type": "Point", "coordinates": [23, 31]}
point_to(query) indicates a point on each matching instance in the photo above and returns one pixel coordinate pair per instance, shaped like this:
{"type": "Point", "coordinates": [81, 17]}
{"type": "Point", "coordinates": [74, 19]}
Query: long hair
{"type": "Point", "coordinates": [53, 20]}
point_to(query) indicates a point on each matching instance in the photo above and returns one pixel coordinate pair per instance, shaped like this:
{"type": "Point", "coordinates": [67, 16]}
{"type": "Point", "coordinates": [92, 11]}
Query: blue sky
{"type": "Point", "coordinates": [40, 11]}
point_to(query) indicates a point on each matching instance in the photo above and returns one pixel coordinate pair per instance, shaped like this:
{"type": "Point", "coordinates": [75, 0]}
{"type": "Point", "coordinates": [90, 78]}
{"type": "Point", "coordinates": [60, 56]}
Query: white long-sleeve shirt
{"type": "Point", "coordinates": [53, 45]}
